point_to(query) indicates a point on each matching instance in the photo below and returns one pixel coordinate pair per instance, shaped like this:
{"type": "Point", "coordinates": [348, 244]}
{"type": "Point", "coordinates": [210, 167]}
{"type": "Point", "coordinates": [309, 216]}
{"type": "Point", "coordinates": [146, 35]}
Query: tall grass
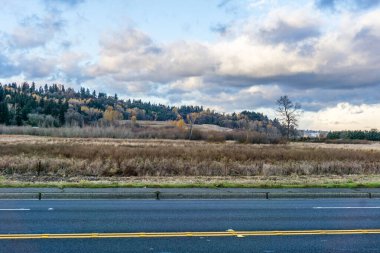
{"type": "Point", "coordinates": [72, 157]}
{"type": "Point", "coordinates": [124, 132]}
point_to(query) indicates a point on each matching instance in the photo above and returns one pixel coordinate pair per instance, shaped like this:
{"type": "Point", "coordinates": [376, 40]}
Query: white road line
{"type": "Point", "coordinates": [346, 207]}
{"type": "Point", "coordinates": [18, 209]}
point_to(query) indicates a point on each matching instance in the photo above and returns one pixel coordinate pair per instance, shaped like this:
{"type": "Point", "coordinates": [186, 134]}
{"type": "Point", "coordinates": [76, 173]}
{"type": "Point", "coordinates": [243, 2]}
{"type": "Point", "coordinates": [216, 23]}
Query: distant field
{"type": "Point", "coordinates": [375, 146]}
{"type": "Point", "coordinates": [42, 159]}
{"type": "Point", "coordinates": [161, 124]}
{"type": "Point", "coordinates": [168, 130]}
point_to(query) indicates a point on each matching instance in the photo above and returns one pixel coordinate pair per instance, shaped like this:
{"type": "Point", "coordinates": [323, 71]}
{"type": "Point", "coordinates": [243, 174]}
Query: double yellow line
{"type": "Point", "coordinates": [228, 233]}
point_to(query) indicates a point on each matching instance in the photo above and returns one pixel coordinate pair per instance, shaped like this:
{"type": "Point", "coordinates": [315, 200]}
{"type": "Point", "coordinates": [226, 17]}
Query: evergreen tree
{"type": "Point", "coordinates": [2, 93]}
{"type": "Point", "coordinates": [25, 87]}
{"type": "Point", "coordinates": [42, 104]}
{"type": "Point", "coordinates": [62, 110]}
{"type": "Point", "coordinates": [4, 113]}
{"type": "Point", "coordinates": [33, 87]}
{"type": "Point", "coordinates": [82, 92]}
{"type": "Point", "coordinates": [26, 110]}
{"type": "Point", "coordinates": [88, 93]}
{"type": "Point", "coordinates": [18, 116]}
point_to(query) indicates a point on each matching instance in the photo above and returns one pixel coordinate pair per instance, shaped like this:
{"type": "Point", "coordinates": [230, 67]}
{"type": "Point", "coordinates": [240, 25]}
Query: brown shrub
{"type": "Point", "coordinates": [144, 132]}
{"type": "Point", "coordinates": [112, 158]}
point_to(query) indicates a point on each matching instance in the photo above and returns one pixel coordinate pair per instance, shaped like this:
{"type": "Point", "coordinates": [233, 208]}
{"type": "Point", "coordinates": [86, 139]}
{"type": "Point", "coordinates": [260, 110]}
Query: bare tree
{"type": "Point", "coordinates": [288, 113]}
{"type": "Point", "coordinates": [191, 118]}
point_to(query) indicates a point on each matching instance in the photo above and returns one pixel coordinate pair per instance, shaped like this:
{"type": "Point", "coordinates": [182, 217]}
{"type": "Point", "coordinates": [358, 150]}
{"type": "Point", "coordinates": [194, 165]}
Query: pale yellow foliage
{"type": "Point", "coordinates": [74, 101]}
{"type": "Point", "coordinates": [134, 120]}
{"type": "Point", "coordinates": [36, 97]}
{"type": "Point", "coordinates": [112, 115]}
{"type": "Point", "coordinates": [94, 110]}
{"type": "Point", "coordinates": [84, 108]}
{"type": "Point", "coordinates": [180, 124]}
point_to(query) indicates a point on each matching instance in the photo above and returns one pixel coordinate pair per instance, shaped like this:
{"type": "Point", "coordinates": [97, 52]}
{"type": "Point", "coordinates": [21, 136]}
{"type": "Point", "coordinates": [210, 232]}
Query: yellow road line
{"type": "Point", "coordinates": [188, 234]}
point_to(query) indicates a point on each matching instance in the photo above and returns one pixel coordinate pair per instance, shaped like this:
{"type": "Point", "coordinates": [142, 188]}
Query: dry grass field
{"type": "Point", "coordinates": [155, 162]}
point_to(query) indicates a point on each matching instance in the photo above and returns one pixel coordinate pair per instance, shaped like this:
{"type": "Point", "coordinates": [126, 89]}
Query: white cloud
{"type": "Point", "coordinates": [37, 67]}
{"type": "Point", "coordinates": [188, 84]}
{"type": "Point", "coordinates": [331, 60]}
{"type": "Point", "coordinates": [132, 56]}
{"type": "Point", "coordinates": [343, 116]}
{"type": "Point", "coordinates": [259, 3]}
{"type": "Point", "coordinates": [34, 31]}
{"type": "Point", "coordinates": [244, 57]}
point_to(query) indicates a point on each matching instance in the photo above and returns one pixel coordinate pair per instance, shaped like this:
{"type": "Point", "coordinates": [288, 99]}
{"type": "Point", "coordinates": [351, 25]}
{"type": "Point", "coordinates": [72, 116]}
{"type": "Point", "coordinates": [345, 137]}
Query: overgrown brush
{"type": "Point", "coordinates": [126, 132]}
{"type": "Point", "coordinates": [75, 157]}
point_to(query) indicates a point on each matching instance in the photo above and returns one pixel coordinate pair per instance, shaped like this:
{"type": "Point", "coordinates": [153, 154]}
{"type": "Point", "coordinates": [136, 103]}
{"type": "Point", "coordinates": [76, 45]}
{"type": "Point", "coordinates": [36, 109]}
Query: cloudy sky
{"type": "Point", "coordinates": [228, 55]}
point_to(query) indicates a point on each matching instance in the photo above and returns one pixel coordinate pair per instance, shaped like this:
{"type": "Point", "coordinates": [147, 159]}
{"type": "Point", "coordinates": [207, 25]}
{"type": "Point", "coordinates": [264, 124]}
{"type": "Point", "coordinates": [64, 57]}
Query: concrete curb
{"type": "Point", "coordinates": [212, 195]}
{"type": "Point", "coordinates": [166, 195]}
{"type": "Point", "coordinates": [13, 195]}
{"type": "Point", "coordinates": [138, 195]}
{"type": "Point", "coordinates": [293, 195]}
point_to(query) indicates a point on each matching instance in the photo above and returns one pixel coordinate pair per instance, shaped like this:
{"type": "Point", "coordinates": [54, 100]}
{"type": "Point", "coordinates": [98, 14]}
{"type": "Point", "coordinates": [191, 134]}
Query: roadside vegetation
{"type": "Point", "coordinates": [351, 181]}
{"type": "Point", "coordinates": [36, 159]}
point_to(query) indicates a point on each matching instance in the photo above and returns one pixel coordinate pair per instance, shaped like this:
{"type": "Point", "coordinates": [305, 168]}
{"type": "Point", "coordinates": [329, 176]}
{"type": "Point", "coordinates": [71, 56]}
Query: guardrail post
{"type": "Point", "coordinates": [157, 195]}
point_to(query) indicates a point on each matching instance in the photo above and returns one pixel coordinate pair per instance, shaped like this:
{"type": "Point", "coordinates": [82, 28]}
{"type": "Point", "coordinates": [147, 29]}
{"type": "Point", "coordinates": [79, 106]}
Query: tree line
{"type": "Point", "coordinates": [55, 105]}
{"type": "Point", "coordinates": [372, 135]}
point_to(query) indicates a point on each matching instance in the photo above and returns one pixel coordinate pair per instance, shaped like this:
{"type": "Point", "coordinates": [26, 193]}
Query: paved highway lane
{"type": "Point", "coordinates": [80, 216]}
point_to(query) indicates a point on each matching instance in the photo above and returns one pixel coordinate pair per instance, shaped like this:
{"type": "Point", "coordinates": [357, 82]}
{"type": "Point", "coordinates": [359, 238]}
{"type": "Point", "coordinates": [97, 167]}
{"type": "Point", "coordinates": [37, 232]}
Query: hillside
{"type": "Point", "coordinates": [55, 106]}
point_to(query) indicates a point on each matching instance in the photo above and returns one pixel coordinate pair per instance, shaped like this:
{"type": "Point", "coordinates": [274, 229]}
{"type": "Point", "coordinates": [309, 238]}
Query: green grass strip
{"type": "Point", "coordinates": [90, 184]}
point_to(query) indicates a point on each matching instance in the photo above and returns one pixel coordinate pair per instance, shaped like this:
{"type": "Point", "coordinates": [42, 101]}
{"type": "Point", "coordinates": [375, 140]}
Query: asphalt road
{"type": "Point", "coordinates": [128, 216]}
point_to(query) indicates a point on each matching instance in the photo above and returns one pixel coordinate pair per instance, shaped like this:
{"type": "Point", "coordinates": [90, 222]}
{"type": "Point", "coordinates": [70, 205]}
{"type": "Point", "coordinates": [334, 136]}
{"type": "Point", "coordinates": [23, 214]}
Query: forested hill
{"type": "Point", "coordinates": [56, 105]}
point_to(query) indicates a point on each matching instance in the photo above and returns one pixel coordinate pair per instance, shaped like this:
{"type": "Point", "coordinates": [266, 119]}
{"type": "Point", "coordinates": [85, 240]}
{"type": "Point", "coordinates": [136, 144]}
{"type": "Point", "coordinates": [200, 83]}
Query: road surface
{"type": "Point", "coordinates": [333, 225]}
